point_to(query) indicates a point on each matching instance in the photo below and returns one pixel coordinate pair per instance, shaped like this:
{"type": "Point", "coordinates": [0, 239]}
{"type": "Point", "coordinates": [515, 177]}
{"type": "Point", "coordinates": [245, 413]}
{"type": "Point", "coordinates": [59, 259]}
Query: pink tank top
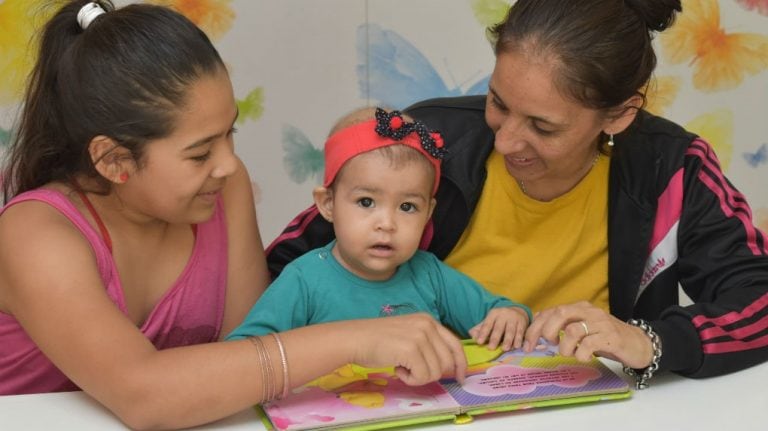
{"type": "Point", "coordinates": [190, 312]}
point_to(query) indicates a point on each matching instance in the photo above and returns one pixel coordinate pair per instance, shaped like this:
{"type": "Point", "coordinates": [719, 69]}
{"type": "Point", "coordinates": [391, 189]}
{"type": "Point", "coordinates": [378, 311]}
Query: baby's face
{"type": "Point", "coordinates": [379, 214]}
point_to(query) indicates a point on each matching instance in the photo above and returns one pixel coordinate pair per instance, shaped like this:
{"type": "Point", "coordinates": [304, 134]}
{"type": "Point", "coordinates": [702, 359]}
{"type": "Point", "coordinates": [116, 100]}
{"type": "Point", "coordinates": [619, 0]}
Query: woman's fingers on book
{"type": "Point", "coordinates": [582, 330]}
{"type": "Point", "coordinates": [552, 322]}
{"type": "Point", "coordinates": [419, 347]}
{"type": "Point", "coordinates": [457, 363]}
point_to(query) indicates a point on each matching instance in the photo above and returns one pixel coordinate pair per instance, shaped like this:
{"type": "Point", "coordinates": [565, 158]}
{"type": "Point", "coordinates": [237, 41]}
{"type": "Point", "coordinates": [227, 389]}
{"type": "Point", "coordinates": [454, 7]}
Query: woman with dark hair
{"type": "Point", "coordinates": [129, 242]}
{"type": "Point", "coordinates": [558, 190]}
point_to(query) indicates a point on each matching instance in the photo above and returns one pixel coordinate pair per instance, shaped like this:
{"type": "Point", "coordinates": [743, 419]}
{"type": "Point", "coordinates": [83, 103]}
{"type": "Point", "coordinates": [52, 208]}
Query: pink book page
{"type": "Point", "coordinates": [355, 395]}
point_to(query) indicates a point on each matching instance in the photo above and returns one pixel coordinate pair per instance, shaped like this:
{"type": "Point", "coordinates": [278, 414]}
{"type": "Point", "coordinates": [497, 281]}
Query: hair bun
{"type": "Point", "coordinates": [657, 14]}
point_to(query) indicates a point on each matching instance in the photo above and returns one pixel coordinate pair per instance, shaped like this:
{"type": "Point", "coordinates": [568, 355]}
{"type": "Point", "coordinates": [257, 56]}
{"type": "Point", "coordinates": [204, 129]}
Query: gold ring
{"type": "Point", "coordinates": [586, 328]}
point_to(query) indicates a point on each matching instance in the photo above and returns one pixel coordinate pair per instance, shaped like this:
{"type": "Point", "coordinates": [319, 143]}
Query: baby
{"type": "Point", "coordinates": [381, 173]}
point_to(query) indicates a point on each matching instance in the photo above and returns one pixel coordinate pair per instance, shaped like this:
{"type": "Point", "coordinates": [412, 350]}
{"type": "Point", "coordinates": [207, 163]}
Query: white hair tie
{"type": "Point", "coordinates": [88, 13]}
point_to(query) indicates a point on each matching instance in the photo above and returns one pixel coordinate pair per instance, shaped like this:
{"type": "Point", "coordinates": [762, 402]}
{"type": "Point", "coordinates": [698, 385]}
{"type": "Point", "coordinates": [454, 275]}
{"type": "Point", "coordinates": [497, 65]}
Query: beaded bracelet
{"type": "Point", "coordinates": [643, 375]}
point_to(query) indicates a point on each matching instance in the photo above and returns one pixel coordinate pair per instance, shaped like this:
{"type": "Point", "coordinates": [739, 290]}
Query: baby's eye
{"type": "Point", "coordinates": [365, 202]}
{"type": "Point", "coordinates": [408, 207]}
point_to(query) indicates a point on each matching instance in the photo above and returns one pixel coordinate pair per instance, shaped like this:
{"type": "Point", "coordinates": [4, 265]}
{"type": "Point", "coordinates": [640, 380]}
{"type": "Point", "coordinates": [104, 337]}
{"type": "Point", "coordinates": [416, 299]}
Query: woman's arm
{"type": "Point", "coordinates": [55, 292]}
{"type": "Point", "coordinates": [247, 275]}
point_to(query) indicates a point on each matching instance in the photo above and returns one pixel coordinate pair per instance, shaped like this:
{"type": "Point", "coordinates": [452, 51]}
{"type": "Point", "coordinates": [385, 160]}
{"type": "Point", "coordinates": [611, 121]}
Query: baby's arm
{"type": "Point", "coordinates": [465, 302]}
{"type": "Point", "coordinates": [502, 326]}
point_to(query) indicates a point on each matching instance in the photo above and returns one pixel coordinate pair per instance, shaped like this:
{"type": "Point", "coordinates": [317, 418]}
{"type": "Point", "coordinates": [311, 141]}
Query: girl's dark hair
{"type": "Point", "coordinates": [602, 47]}
{"type": "Point", "coordinates": [126, 77]}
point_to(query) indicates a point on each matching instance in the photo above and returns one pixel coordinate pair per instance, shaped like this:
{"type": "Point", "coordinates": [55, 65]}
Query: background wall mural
{"type": "Point", "coordinates": [298, 65]}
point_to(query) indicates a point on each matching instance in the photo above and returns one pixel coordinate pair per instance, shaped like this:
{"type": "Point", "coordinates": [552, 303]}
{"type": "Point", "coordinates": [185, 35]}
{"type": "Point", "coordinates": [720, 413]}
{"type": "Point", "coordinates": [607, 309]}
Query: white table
{"type": "Point", "coordinates": [736, 402]}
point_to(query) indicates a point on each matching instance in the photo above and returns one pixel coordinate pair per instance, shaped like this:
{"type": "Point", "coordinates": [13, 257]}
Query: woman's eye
{"type": "Point", "coordinates": [202, 157]}
{"type": "Point", "coordinates": [365, 202]}
{"type": "Point", "coordinates": [497, 104]}
{"type": "Point", "coordinates": [542, 132]}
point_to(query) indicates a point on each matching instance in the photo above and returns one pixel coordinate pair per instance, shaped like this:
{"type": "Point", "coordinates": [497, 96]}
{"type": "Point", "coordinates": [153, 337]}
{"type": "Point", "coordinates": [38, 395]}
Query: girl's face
{"type": "Point", "coordinates": [379, 213]}
{"type": "Point", "coordinates": [184, 172]}
{"type": "Point", "coordinates": [546, 139]}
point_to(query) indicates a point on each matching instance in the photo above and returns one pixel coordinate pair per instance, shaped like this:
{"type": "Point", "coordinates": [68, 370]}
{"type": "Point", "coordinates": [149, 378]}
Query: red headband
{"type": "Point", "coordinates": [387, 129]}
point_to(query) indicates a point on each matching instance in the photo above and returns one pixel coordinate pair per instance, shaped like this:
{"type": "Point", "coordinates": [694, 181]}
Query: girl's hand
{"type": "Point", "coordinates": [587, 331]}
{"type": "Point", "coordinates": [420, 348]}
{"type": "Point", "coordinates": [503, 326]}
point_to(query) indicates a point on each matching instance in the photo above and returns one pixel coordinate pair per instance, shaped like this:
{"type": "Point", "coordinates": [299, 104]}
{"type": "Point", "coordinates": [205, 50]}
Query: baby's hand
{"type": "Point", "coordinates": [503, 326]}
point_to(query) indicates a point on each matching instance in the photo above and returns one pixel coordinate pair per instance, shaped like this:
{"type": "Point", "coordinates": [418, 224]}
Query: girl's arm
{"type": "Point", "coordinates": [56, 294]}
{"type": "Point", "coordinates": [247, 274]}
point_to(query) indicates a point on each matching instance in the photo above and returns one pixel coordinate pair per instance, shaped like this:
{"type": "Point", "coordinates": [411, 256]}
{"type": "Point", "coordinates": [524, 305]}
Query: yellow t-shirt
{"type": "Point", "coordinates": [541, 254]}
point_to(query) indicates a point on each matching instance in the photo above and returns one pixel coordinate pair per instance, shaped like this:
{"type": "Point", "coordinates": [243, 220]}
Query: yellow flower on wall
{"type": "Point", "coordinates": [19, 20]}
{"type": "Point", "coordinates": [214, 17]}
{"type": "Point", "coordinates": [661, 92]}
{"type": "Point", "coordinates": [720, 60]}
{"type": "Point", "coordinates": [716, 128]}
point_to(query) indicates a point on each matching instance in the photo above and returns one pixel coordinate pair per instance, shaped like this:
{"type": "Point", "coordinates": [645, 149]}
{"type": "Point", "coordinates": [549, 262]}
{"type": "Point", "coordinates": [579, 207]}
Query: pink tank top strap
{"type": "Point", "coordinates": [103, 229]}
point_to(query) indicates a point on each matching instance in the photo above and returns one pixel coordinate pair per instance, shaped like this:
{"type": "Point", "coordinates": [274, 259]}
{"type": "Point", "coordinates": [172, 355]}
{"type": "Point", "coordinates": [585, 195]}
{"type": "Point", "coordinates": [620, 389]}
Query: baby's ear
{"type": "Point", "coordinates": [110, 159]}
{"type": "Point", "coordinates": [323, 197]}
{"type": "Point", "coordinates": [432, 205]}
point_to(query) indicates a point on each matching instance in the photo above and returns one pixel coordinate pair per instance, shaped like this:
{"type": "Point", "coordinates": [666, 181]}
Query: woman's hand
{"type": "Point", "coordinates": [588, 330]}
{"type": "Point", "coordinates": [503, 326]}
{"type": "Point", "coordinates": [419, 347]}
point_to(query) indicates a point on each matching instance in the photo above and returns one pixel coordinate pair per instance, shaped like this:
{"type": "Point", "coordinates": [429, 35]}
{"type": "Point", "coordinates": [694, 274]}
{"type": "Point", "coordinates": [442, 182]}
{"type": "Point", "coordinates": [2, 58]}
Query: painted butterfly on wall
{"type": "Point", "coordinates": [301, 159]}
{"type": "Point", "coordinates": [758, 157]}
{"type": "Point", "coordinates": [720, 60]}
{"type": "Point", "coordinates": [716, 127]}
{"type": "Point", "coordinates": [490, 12]}
{"type": "Point", "coordinates": [214, 17]}
{"type": "Point", "coordinates": [251, 106]}
{"type": "Point", "coordinates": [5, 137]}
{"type": "Point", "coordinates": [19, 21]}
{"type": "Point", "coordinates": [760, 6]}
{"type": "Point", "coordinates": [661, 93]}
{"type": "Point", "coordinates": [391, 70]}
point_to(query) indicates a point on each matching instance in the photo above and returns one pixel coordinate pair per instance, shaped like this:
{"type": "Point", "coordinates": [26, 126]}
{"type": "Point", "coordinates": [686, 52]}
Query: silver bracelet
{"type": "Point", "coordinates": [642, 376]}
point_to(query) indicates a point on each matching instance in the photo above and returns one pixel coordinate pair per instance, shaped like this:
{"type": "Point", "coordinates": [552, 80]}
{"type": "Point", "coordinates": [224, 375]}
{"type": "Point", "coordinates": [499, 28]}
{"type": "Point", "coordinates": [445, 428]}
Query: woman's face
{"type": "Point", "coordinates": [548, 141]}
{"type": "Point", "coordinates": [185, 172]}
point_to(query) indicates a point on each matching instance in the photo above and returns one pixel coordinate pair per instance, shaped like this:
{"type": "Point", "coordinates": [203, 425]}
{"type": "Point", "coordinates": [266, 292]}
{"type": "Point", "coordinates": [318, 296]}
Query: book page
{"type": "Point", "coordinates": [353, 394]}
{"type": "Point", "coordinates": [517, 377]}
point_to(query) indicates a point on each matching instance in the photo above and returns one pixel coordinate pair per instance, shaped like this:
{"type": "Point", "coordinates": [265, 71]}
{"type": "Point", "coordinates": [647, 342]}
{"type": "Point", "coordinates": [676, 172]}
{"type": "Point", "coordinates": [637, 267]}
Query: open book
{"type": "Point", "coordinates": [362, 398]}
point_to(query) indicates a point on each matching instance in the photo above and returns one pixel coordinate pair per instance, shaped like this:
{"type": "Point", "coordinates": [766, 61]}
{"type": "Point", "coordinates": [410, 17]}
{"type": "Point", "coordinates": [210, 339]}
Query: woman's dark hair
{"type": "Point", "coordinates": [602, 47]}
{"type": "Point", "coordinates": [126, 76]}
